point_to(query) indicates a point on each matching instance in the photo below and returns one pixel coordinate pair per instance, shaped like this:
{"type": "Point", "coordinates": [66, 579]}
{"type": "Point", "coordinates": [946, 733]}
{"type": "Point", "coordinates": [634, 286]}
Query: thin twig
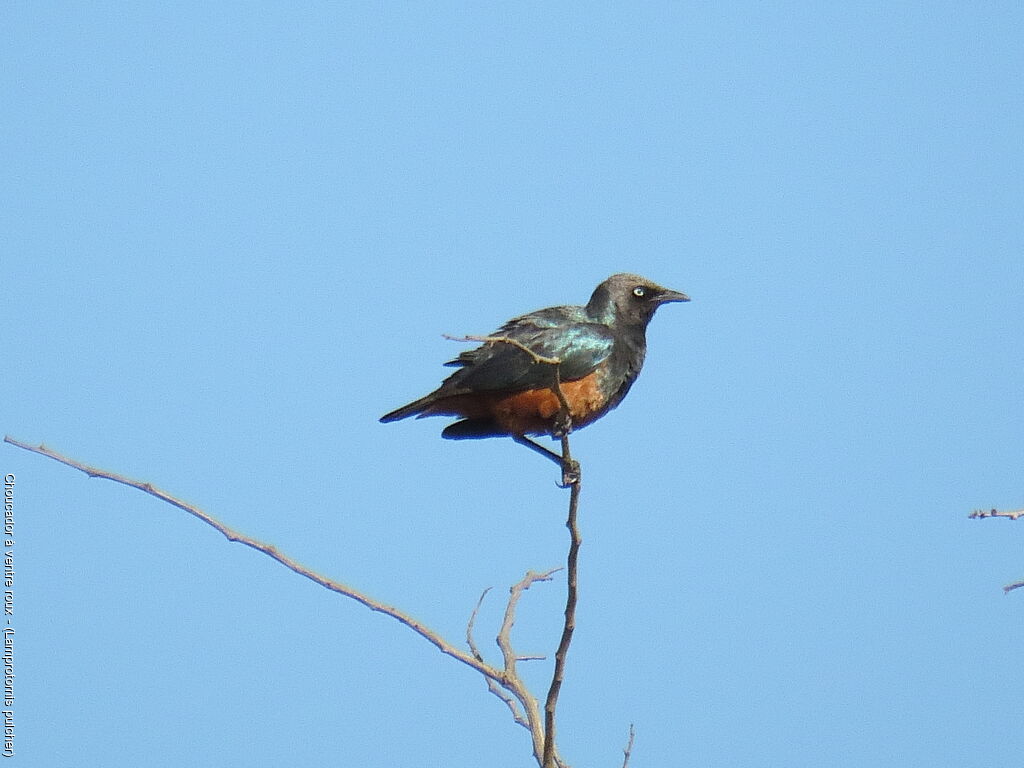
{"type": "Point", "coordinates": [504, 641]}
{"type": "Point", "coordinates": [565, 412]}
{"type": "Point", "coordinates": [537, 358]}
{"type": "Point", "coordinates": [570, 467]}
{"type": "Point", "coordinates": [1010, 587]}
{"type": "Point", "coordinates": [469, 626]}
{"type": "Point", "coordinates": [512, 690]}
{"type": "Point", "coordinates": [628, 751]}
{"type": "Point", "coordinates": [980, 514]}
{"type": "Point", "coordinates": [492, 686]}
{"type": "Point", "coordinates": [551, 702]}
{"type": "Point", "coordinates": [572, 478]}
{"type": "Point", "coordinates": [232, 535]}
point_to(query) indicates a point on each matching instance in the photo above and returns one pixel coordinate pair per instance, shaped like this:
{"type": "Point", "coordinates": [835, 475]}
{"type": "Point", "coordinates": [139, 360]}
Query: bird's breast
{"type": "Point", "coordinates": [533, 411]}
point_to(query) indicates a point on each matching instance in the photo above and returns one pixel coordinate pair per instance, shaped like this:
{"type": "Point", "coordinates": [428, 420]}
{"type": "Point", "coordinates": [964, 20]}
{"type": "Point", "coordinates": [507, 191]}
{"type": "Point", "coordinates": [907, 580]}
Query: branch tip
{"type": "Point", "coordinates": [627, 752]}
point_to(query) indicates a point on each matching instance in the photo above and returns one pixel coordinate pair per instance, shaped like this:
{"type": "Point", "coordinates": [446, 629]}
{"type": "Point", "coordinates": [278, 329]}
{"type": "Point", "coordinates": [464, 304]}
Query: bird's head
{"type": "Point", "coordinates": [630, 299]}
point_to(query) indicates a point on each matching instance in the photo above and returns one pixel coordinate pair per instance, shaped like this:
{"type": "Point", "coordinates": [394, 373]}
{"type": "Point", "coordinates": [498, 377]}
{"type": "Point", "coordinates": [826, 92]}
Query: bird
{"type": "Point", "coordinates": [506, 386]}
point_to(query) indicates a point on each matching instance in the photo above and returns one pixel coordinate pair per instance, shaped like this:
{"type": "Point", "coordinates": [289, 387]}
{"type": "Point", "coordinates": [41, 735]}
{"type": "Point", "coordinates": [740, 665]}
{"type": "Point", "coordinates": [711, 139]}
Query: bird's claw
{"type": "Point", "coordinates": [570, 473]}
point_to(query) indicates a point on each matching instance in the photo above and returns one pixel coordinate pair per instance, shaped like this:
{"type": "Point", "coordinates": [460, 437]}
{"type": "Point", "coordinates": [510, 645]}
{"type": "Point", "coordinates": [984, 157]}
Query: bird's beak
{"type": "Point", "coordinates": [666, 295]}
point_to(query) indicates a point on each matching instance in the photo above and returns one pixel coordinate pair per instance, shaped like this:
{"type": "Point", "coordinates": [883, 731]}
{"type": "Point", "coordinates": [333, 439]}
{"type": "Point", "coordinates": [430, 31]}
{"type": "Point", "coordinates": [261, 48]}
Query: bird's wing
{"type": "Point", "coordinates": [560, 332]}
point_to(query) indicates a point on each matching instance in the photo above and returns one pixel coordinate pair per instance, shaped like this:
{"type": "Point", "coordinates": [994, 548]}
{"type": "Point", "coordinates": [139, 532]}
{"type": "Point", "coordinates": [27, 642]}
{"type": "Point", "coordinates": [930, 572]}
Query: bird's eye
{"type": "Point", "coordinates": [639, 291]}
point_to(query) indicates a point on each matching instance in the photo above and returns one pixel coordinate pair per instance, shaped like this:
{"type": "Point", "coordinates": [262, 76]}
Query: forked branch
{"type": "Point", "coordinates": [512, 691]}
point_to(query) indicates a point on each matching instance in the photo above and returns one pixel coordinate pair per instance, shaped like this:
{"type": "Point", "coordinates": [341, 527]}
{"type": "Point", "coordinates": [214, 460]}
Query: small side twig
{"type": "Point", "coordinates": [504, 639]}
{"type": "Point", "coordinates": [537, 358]}
{"type": "Point", "coordinates": [980, 514]}
{"type": "Point", "coordinates": [492, 686]}
{"type": "Point", "coordinates": [512, 690]}
{"type": "Point", "coordinates": [1010, 587]}
{"type": "Point", "coordinates": [628, 751]}
{"type": "Point", "coordinates": [509, 656]}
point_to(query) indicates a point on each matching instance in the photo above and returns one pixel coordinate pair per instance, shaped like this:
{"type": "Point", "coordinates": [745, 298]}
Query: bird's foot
{"type": "Point", "coordinates": [570, 473]}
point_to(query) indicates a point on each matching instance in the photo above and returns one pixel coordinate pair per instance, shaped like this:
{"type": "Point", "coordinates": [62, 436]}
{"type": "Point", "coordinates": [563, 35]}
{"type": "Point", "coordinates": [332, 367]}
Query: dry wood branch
{"type": "Point", "coordinates": [628, 751]}
{"type": "Point", "coordinates": [492, 686]}
{"type": "Point", "coordinates": [1010, 587]}
{"type": "Point", "coordinates": [513, 690]}
{"type": "Point", "coordinates": [232, 535]}
{"type": "Point", "coordinates": [980, 514]}
{"type": "Point", "coordinates": [509, 656]}
{"type": "Point", "coordinates": [507, 340]}
{"type": "Point", "coordinates": [569, 627]}
{"type": "Point", "coordinates": [570, 467]}
{"type": "Point", "coordinates": [504, 639]}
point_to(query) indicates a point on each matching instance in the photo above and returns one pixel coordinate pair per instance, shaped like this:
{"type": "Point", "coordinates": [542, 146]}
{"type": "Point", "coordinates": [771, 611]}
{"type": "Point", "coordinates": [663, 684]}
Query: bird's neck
{"type": "Point", "coordinates": [629, 351]}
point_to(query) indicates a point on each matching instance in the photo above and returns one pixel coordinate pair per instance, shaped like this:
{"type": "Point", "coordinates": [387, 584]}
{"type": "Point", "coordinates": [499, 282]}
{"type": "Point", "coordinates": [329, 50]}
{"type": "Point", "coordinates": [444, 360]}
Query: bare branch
{"type": "Point", "coordinates": [492, 686]}
{"type": "Point", "coordinates": [504, 641]}
{"type": "Point", "coordinates": [570, 467]}
{"type": "Point", "coordinates": [1010, 587]}
{"type": "Point", "coordinates": [571, 478]}
{"type": "Point", "coordinates": [469, 625]}
{"type": "Point", "coordinates": [628, 751]}
{"type": "Point", "coordinates": [570, 615]}
{"type": "Point", "coordinates": [980, 514]}
{"type": "Point", "coordinates": [231, 535]}
{"type": "Point", "coordinates": [507, 340]}
{"type": "Point", "coordinates": [512, 690]}
{"type": "Point", "coordinates": [504, 638]}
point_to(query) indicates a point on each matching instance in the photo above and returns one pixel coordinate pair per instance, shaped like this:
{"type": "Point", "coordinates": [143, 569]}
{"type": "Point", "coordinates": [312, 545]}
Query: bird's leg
{"type": "Point", "coordinates": [524, 440]}
{"type": "Point", "coordinates": [570, 467]}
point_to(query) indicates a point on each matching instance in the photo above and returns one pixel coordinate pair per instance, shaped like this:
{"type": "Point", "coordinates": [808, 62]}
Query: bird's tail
{"type": "Point", "coordinates": [412, 409]}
